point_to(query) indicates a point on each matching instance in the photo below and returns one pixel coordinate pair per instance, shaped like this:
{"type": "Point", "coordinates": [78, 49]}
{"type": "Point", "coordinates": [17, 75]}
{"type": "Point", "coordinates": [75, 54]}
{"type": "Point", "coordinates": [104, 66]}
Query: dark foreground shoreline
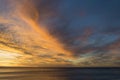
{"type": "Point", "coordinates": [59, 73]}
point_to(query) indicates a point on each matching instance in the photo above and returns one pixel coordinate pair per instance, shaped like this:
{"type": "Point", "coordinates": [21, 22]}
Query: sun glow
{"type": "Point", "coordinates": [8, 58]}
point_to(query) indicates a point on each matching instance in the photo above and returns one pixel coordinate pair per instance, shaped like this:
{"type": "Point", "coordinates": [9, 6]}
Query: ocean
{"type": "Point", "coordinates": [58, 73]}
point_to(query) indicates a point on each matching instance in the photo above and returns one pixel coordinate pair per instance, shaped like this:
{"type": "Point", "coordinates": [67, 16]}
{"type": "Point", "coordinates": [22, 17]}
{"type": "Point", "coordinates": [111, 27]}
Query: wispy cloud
{"type": "Point", "coordinates": [61, 31]}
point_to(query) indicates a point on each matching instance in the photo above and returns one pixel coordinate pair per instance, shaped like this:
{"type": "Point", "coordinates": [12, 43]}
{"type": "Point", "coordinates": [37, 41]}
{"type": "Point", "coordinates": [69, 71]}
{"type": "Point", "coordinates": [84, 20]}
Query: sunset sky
{"type": "Point", "coordinates": [60, 33]}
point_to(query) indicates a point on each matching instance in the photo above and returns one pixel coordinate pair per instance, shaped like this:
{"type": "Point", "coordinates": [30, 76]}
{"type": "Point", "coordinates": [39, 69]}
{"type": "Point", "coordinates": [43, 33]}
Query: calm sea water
{"type": "Point", "coordinates": [59, 73]}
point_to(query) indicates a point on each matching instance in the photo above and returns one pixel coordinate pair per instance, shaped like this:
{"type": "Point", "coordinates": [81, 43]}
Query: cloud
{"type": "Point", "coordinates": [60, 31]}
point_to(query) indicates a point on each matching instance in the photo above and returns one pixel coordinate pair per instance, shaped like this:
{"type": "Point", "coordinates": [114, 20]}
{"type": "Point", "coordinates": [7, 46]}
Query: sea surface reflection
{"type": "Point", "coordinates": [17, 73]}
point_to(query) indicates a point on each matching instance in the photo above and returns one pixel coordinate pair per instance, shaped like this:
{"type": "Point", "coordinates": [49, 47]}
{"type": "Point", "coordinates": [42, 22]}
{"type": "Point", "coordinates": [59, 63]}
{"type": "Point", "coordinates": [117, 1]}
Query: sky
{"type": "Point", "coordinates": [60, 33]}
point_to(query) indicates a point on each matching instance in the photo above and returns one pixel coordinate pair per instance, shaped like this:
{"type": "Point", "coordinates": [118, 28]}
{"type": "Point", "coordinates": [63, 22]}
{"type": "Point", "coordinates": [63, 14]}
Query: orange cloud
{"type": "Point", "coordinates": [28, 39]}
{"type": "Point", "coordinates": [28, 13]}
